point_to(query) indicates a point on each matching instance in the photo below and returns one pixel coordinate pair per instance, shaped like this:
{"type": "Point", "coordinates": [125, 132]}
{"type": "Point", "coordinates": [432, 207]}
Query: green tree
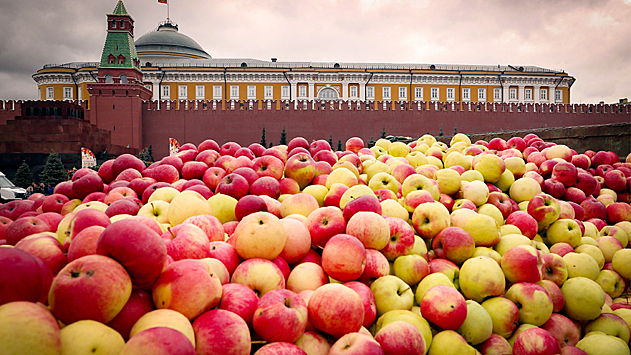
{"type": "Point", "coordinates": [383, 132]}
{"type": "Point", "coordinates": [440, 134]}
{"type": "Point", "coordinates": [330, 140]}
{"type": "Point", "coordinates": [455, 129]}
{"type": "Point", "coordinates": [271, 144]}
{"type": "Point", "coordinates": [54, 171]}
{"type": "Point", "coordinates": [263, 140]}
{"type": "Point", "coordinates": [23, 177]}
{"type": "Point", "coordinates": [339, 144]}
{"type": "Point", "coordinates": [283, 137]}
{"type": "Point", "coordinates": [146, 154]}
{"type": "Point", "coordinates": [371, 143]}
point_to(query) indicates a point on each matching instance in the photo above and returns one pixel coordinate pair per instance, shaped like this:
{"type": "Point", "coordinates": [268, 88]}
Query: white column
{"type": "Point", "coordinates": [551, 94]}
{"type": "Point", "coordinates": [294, 90]}
{"type": "Point", "coordinates": [536, 93]}
{"type": "Point", "coordinates": [362, 90]}
{"type": "Point", "coordinates": [506, 93]}
{"type": "Point", "coordinates": [344, 90]}
{"type": "Point", "coordinates": [520, 93]}
{"type": "Point", "coordinates": [311, 92]}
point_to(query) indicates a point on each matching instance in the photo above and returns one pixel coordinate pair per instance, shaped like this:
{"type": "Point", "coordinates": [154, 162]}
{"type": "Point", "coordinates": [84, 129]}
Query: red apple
{"type": "Point", "coordinates": [24, 277]}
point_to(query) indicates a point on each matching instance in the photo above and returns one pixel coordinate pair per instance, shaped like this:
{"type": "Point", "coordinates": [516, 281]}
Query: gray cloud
{"type": "Point", "coordinates": [589, 39]}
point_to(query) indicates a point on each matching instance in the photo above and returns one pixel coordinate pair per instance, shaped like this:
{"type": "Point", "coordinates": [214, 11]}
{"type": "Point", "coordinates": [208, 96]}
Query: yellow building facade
{"type": "Point", "coordinates": [175, 67]}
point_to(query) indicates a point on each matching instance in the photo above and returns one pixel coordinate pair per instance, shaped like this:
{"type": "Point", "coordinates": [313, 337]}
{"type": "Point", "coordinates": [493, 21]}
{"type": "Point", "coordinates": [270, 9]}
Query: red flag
{"type": "Point", "coordinates": [162, 1]}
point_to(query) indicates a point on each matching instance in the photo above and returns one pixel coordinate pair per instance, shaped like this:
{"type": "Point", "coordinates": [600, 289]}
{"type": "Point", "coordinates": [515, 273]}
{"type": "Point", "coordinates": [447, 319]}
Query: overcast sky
{"type": "Point", "coordinates": [589, 39]}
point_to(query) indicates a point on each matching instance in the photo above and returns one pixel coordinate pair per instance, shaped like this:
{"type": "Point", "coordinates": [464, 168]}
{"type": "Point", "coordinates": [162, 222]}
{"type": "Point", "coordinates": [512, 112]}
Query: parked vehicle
{"type": "Point", "coordinates": [8, 191]}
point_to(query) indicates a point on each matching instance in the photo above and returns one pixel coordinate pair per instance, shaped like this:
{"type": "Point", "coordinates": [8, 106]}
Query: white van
{"type": "Point", "coordinates": [8, 191]}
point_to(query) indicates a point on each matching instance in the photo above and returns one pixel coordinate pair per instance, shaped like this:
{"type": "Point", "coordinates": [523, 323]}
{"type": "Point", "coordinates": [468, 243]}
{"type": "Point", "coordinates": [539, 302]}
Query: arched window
{"type": "Point", "coordinates": [123, 79]}
{"type": "Point", "coordinates": [109, 79]}
{"type": "Point", "coordinates": [111, 59]}
{"type": "Point", "coordinates": [121, 59]}
{"type": "Point", "coordinates": [328, 94]}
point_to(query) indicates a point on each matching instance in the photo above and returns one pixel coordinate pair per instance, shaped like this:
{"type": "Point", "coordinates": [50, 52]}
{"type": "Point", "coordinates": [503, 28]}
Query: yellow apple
{"type": "Point", "coordinates": [223, 207]}
{"type": "Point", "coordinates": [90, 337]}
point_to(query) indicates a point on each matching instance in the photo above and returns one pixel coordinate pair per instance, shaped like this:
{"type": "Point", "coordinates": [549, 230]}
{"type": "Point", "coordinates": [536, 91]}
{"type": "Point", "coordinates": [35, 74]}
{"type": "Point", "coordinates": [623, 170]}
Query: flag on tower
{"type": "Point", "coordinates": [162, 1]}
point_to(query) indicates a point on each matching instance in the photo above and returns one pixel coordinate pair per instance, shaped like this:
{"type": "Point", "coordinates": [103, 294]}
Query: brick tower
{"type": "Point", "coordinates": [116, 100]}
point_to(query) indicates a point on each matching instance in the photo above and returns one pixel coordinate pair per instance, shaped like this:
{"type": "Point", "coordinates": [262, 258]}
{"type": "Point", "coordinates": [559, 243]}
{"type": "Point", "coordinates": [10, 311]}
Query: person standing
{"type": "Point", "coordinates": [42, 188]}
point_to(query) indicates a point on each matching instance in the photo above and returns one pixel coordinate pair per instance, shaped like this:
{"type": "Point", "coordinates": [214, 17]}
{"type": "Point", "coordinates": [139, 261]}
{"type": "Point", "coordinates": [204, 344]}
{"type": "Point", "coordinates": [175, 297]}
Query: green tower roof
{"type": "Point", "coordinates": [120, 9]}
{"type": "Point", "coordinates": [119, 43]}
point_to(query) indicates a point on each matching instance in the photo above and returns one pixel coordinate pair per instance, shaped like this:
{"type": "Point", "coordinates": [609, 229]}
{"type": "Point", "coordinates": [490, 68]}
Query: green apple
{"type": "Point", "coordinates": [566, 231]}
{"type": "Point", "coordinates": [581, 265]}
{"type": "Point", "coordinates": [411, 268]}
{"type": "Point", "coordinates": [509, 241]}
{"type": "Point", "coordinates": [610, 324]}
{"type": "Point", "coordinates": [492, 211]}
{"type": "Point", "coordinates": [584, 298]}
{"type": "Point", "coordinates": [317, 191]}
{"type": "Point", "coordinates": [621, 263]}
{"type": "Point", "coordinates": [164, 318]}
{"type": "Point", "coordinates": [612, 283]}
{"type": "Point", "coordinates": [478, 326]}
{"type": "Point", "coordinates": [524, 189]}
{"type": "Point", "coordinates": [534, 302]}
{"type": "Point", "coordinates": [391, 293]}
{"type": "Point", "coordinates": [599, 343]}
{"type": "Point", "coordinates": [484, 229]}
{"type": "Point", "coordinates": [223, 207]}
{"type": "Point", "coordinates": [449, 342]}
{"type": "Point", "coordinates": [481, 277]}
{"type": "Point", "coordinates": [28, 328]}
{"type": "Point", "coordinates": [187, 204]}
{"type": "Point", "coordinates": [163, 194]}
{"type": "Point", "coordinates": [504, 315]}
{"type": "Point", "coordinates": [408, 316]}
{"type": "Point", "coordinates": [90, 337]}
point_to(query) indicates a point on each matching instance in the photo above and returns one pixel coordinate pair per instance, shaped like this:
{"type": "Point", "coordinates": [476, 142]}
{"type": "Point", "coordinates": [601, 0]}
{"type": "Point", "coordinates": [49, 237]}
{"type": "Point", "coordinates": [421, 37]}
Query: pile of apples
{"type": "Point", "coordinates": [500, 247]}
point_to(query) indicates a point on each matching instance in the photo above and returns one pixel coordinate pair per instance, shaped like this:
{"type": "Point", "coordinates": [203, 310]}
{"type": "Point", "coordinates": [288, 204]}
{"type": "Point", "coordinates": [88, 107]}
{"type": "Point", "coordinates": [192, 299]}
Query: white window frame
{"type": "Point", "coordinates": [166, 92]}
{"type": "Point", "coordinates": [386, 93]}
{"type": "Point", "coordinates": [284, 92]}
{"type": "Point", "coordinates": [50, 93]}
{"type": "Point", "coordinates": [302, 91]}
{"type": "Point", "coordinates": [68, 93]}
{"type": "Point", "coordinates": [466, 94]}
{"type": "Point", "coordinates": [451, 94]}
{"type": "Point", "coordinates": [527, 94]}
{"type": "Point", "coordinates": [543, 94]}
{"type": "Point", "coordinates": [200, 92]}
{"type": "Point", "coordinates": [403, 93]}
{"type": "Point", "coordinates": [558, 95]}
{"type": "Point", "coordinates": [370, 92]}
{"type": "Point", "coordinates": [234, 92]}
{"type": "Point", "coordinates": [512, 94]}
{"type": "Point", "coordinates": [251, 92]}
{"type": "Point", "coordinates": [418, 93]}
{"type": "Point", "coordinates": [497, 94]}
{"type": "Point", "coordinates": [352, 92]}
{"type": "Point", "coordinates": [182, 92]}
{"type": "Point", "coordinates": [481, 94]}
{"type": "Point", "coordinates": [217, 92]}
{"type": "Point", "coordinates": [268, 92]}
{"type": "Point", "coordinates": [435, 94]}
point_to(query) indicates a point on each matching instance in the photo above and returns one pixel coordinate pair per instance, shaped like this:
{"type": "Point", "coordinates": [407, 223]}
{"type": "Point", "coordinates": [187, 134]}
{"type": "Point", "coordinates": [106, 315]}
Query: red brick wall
{"type": "Point", "coordinates": [245, 126]}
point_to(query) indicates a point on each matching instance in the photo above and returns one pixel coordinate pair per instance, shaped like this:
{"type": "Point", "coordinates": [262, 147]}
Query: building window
{"type": "Point", "coordinates": [122, 24]}
{"type": "Point", "coordinates": [450, 94]}
{"type": "Point", "coordinates": [513, 94]}
{"type": "Point", "coordinates": [251, 92]}
{"type": "Point", "coordinates": [327, 94]}
{"type": "Point", "coordinates": [418, 93]}
{"type": "Point", "coordinates": [558, 95]}
{"type": "Point", "coordinates": [302, 91]}
{"type": "Point", "coordinates": [123, 79]}
{"type": "Point", "coordinates": [403, 93]}
{"type": "Point", "coordinates": [200, 92]}
{"type": "Point", "coordinates": [435, 94]}
{"type": "Point", "coordinates": [114, 24]}
{"type": "Point", "coordinates": [370, 92]}
{"type": "Point", "coordinates": [67, 93]}
{"type": "Point", "coordinates": [234, 92]}
{"type": "Point", "coordinates": [544, 94]}
{"type": "Point", "coordinates": [217, 92]}
{"type": "Point", "coordinates": [528, 94]}
{"type": "Point", "coordinates": [183, 92]}
{"type": "Point", "coordinates": [50, 93]}
{"type": "Point", "coordinates": [385, 91]}
{"type": "Point", "coordinates": [497, 94]}
{"type": "Point", "coordinates": [121, 59]}
{"type": "Point", "coordinates": [166, 92]}
{"type": "Point", "coordinates": [269, 92]}
{"type": "Point", "coordinates": [284, 92]}
{"type": "Point", "coordinates": [352, 91]}
{"type": "Point", "coordinates": [466, 94]}
{"type": "Point", "coordinates": [481, 94]}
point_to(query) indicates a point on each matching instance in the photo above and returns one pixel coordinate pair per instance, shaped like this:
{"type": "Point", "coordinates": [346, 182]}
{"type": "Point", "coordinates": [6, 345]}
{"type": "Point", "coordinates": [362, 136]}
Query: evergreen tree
{"type": "Point", "coordinates": [271, 144]}
{"type": "Point", "coordinates": [371, 143]}
{"type": "Point", "coordinates": [330, 140]}
{"type": "Point", "coordinates": [383, 132]}
{"type": "Point", "coordinates": [146, 154]}
{"type": "Point", "coordinates": [339, 144]}
{"type": "Point", "coordinates": [283, 137]}
{"type": "Point", "coordinates": [23, 177]}
{"type": "Point", "coordinates": [263, 140]}
{"type": "Point", "coordinates": [455, 129]}
{"type": "Point", "coordinates": [54, 171]}
{"type": "Point", "coordinates": [440, 134]}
